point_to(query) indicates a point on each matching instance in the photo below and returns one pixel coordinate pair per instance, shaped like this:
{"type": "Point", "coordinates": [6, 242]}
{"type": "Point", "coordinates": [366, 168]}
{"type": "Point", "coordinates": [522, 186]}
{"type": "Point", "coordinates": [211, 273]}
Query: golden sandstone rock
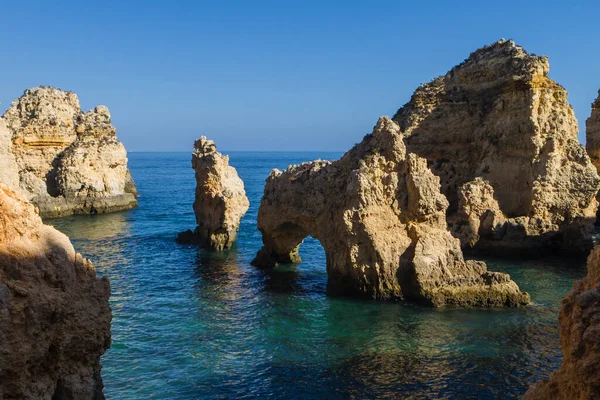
{"type": "Point", "coordinates": [54, 312]}
{"type": "Point", "coordinates": [221, 200]}
{"type": "Point", "coordinates": [498, 118]}
{"type": "Point", "coordinates": [69, 162]}
{"type": "Point", "coordinates": [380, 216]}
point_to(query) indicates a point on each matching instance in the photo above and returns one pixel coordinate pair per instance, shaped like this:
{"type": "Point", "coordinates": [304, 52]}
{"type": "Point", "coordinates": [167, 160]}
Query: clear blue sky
{"type": "Point", "coordinates": [280, 75]}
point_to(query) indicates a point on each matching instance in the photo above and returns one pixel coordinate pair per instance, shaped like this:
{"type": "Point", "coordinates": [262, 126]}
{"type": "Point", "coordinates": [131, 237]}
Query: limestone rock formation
{"type": "Point", "coordinates": [221, 200]}
{"type": "Point", "coordinates": [9, 171]}
{"type": "Point", "coordinates": [499, 117]}
{"type": "Point", "coordinates": [54, 312]}
{"type": "Point", "coordinates": [592, 134]}
{"type": "Point", "coordinates": [380, 216]}
{"type": "Point", "coordinates": [579, 375]}
{"type": "Point", "coordinates": [69, 162]}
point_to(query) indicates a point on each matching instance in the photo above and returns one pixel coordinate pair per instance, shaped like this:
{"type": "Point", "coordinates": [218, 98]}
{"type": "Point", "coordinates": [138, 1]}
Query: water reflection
{"type": "Point", "coordinates": [93, 227]}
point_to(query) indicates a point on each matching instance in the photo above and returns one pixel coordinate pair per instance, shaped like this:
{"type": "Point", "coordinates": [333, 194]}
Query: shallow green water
{"type": "Point", "coordinates": [188, 324]}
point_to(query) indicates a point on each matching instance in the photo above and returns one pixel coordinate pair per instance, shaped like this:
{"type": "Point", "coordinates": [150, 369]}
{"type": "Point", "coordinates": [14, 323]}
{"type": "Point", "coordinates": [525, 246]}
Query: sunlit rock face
{"type": "Point", "coordinates": [579, 375]}
{"type": "Point", "coordinates": [69, 162]}
{"type": "Point", "coordinates": [220, 201]}
{"type": "Point", "coordinates": [498, 118]}
{"type": "Point", "coordinates": [54, 311]}
{"type": "Point", "coordinates": [380, 216]}
{"type": "Point", "coordinates": [9, 171]}
{"type": "Point", "coordinates": [592, 133]}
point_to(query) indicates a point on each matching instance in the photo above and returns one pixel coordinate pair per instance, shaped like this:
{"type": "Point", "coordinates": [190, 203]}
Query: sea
{"type": "Point", "coordinates": [194, 324]}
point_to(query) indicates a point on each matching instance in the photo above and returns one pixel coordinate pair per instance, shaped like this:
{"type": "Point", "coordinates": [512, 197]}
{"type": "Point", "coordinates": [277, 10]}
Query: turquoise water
{"type": "Point", "coordinates": [189, 324]}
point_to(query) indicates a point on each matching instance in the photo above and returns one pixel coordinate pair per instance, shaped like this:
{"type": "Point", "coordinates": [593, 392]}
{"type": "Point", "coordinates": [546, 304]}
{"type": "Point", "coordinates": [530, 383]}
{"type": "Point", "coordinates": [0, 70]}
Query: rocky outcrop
{"type": "Point", "coordinates": [9, 171]}
{"type": "Point", "coordinates": [54, 312]}
{"type": "Point", "coordinates": [221, 200]}
{"type": "Point", "coordinates": [380, 216]}
{"type": "Point", "coordinates": [499, 118]}
{"type": "Point", "coordinates": [592, 134]}
{"type": "Point", "coordinates": [579, 375]}
{"type": "Point", "coordinates": [69, 162]}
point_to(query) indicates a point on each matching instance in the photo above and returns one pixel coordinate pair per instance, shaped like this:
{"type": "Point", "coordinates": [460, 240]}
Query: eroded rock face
{"type": "Point", "coordinates": [579, 375]}
{"type": "Point", "coordinates": [221, 200]}
{"type": "Point", "coordinates": [69, 162]}
{"type": "Point", "coordinates": [498, 117]}
{"type": "Point", "coordinates": [9, 171]}
{"type": "Point", "coordinates": [54, 312]}
{"type": "Point", "coordinates": [380, 216]}
{"type": "Point", "coordinates": [592, 133]}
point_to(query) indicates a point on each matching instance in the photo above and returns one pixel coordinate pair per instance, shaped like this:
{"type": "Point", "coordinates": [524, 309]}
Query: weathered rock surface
{"type": "Point", "coordinates": [579, 375]}
{"type": "Point", "coordinates": [9, 171]}
{"type": "Point", "coordinates": [499, 117]}
{"type": "Point", "coordinates": [54, 312]}
{"type": "Point", "coordinates": [592, 134]}
{"type": "Point", "coordinates": [221, 200]}
{"type": "Point", "coordinates": [380, 216]}
{"type": "Point", "coordinates": [69, 162]}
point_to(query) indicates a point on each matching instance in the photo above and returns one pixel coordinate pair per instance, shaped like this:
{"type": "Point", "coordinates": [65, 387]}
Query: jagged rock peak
{"type": "Point", "coordinates": [204, 146]}
{"type": "Point", "coordinates": [499, 118]}
{"type": "Point", "coordinates": [54, 311]}
{"type": "Point", "coordinates": [380, 216]}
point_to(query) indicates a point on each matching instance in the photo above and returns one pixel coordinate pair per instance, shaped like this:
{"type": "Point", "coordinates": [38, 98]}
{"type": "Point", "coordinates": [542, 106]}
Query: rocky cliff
{"type": "Point", "coordinates": [54, 312]}
{"type": "Point", "coordinates": [579, 375]}
{"type": "Point", "coordinates": [380, 216]}
{"type": "Point", "coordinates": [221, 200]}
{"type": "Point", "coordinates": [69, 162]}
{"type": "Point", "coordinates": [592, 133]}
{"type": "Point", "coordinates": [498, 120]}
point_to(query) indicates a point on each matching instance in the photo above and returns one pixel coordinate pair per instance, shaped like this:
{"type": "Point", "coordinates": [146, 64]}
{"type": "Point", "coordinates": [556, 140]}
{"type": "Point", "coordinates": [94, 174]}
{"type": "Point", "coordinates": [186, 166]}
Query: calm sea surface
{"type": "Point", "coordinates": [189, 324]}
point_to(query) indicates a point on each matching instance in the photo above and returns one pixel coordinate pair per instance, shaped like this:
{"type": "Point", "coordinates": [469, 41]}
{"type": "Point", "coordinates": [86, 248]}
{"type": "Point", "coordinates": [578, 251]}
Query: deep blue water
{"type": "Point", "coordinates": [189, 324]}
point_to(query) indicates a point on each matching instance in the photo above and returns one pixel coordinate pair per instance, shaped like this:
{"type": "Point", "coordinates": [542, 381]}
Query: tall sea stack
{"type": "Point", "coordinates": [221, 200]}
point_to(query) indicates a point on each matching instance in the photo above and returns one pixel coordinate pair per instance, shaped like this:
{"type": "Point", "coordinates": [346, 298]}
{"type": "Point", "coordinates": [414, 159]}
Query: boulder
{"type": "Point", "coordinates": [69, 162]}
{"type": "Point", "coordinates": [498, 117]}
{"type": "Point", "coordinates": [54, 311]}
{"type": "Point", "coordinates": [380, 216]}
{"type": "Point", "coordinates": [579, 375]}
{"type": "Point", "coordinates": [221, 200]}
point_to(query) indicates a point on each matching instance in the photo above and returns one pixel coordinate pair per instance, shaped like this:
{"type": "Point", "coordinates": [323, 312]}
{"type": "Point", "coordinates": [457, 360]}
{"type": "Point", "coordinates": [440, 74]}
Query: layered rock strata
{"type": "Point", "coordinates": [221, 200]}
{"type": "Point", "coordinates": [579, 375]}
{"type": "Point", "coordinates": [69, 162]}
{"type": "Point", "coordinates": [592, 134]}
{"type": "Point", "coordinates": [380, 216]}
{"type": "Point", "coordinates": [499, 118]}
{"type": "Point", "coordinates": [54, 311]}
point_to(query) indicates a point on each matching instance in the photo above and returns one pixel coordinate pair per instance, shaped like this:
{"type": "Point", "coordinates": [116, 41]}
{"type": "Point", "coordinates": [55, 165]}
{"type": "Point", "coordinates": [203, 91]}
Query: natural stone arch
{"type": "Point", "coordinates": [380, 217]}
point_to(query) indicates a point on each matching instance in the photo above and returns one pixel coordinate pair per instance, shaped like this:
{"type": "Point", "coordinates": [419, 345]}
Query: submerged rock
{"type": "Point", "coordinates": [579, 375]}
{"type": "Point", "coordinates": [221, 200]}
{"type": "Point", "coordinates": [592, 134]}
{"type": "Point", "coordinates": [498, 118]}
{"type": "Point", "coordinates": [54, 311]}
{"type": "Point", "coordinates": [380, 216]}
{"type": "Point", "coordinates": [69, 162]}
